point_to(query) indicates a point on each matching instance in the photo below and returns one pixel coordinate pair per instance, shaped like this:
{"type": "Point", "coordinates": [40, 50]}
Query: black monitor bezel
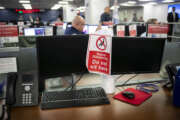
{"type": "Point", "coordinates": [140, 72]}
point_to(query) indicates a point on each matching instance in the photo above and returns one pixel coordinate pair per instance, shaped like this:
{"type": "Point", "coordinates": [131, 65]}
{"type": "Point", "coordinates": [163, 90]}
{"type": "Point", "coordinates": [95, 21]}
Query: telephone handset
{"type": "Point", "coordinates": [22, 89]}
{"type": "Point", "coordinates": [10, 91]}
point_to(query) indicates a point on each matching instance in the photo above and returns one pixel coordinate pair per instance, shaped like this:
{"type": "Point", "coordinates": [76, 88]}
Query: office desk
{"type": "Point", "coordinates": [158, 107]}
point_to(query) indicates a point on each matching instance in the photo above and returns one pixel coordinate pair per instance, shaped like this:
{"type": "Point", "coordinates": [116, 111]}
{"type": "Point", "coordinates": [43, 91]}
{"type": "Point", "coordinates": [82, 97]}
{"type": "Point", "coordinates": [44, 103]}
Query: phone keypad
{"type": "Point", "coordinates": [27, 98]}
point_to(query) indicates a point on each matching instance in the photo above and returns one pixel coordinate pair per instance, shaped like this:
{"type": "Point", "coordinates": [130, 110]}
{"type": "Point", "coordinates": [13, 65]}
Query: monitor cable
{"type": "Point", "coordinates": [147, 87]}
{"type": "Point", "coordinates": [73, 84]}
{"type": "Point", "coordinates": [125, 83]}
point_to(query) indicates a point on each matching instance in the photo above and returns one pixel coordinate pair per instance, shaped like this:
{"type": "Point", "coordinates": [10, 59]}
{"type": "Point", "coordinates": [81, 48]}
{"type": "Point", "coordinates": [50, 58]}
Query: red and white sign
{"type": "Point", "coordinates": [8, 30]}
{"type": "Point", "coordinates": [58, 23]}
{"type": "Point", "coordinates": [120, 30]}
{"type": "Point", "coordinates": [98, 58]}
{"type": "Point", "coordinates": [8, 33]}
{"type": "Point", "coordinates": [157, 30]}
{"type": "Point", "coordinates": [2, 23]}
{"type": "Point", "coordinates": [109, 23]}
{"type": "Point", "coordinates": [132, 30]}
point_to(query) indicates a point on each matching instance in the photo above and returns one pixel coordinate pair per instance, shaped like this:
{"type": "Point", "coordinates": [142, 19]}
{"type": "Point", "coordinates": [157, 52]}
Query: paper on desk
{"type": "Point", "coordinates": [8, 65]}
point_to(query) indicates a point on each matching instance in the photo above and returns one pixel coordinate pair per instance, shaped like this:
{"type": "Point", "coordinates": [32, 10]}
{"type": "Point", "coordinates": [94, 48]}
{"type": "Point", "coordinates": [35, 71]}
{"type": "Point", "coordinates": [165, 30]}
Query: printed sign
{"type": "Point", "coordinates": [8, 30]}
{"type": "Point", "coordinates": [120, 30]}
{"type": "Point", "coordinates": [99, 54]}
{"type": "Point", "coordinates": [110, 23]}
{"type": "Point", "coordinates": [8, 33]}
{"type": "Point", "coordinates": [132, 30]}
{"type": "Point", "coordinates": [157, 30]}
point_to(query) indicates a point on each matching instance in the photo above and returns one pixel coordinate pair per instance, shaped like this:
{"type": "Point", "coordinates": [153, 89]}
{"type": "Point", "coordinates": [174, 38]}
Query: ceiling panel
{"type": "Point", "coordinates": [41, 4]}
{"type": "Point", "coordinates": [138, 2]}
{"type": "Point", "coordinates": [47, 4]}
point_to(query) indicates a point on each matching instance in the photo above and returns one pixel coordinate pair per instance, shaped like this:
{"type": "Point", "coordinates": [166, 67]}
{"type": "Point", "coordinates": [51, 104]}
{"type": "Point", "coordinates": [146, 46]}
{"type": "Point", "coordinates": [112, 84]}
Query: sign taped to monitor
{"type": "Point", "coordinates": [98, 58]}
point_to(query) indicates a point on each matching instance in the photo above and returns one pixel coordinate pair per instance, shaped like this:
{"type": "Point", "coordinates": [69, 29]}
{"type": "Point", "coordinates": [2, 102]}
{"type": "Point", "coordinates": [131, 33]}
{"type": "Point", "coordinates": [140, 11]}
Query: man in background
{"type": "Point", "coordinates": [172, 17]}
{"type": "Point", "coordinates": [77, 27]}
{"type": "Point", "coordinates": [106, 17]}
{"type": "Point", "coordinates": [134, 19]}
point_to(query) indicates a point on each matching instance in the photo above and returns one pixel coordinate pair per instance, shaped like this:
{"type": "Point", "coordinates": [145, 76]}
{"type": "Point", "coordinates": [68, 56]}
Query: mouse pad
{"type": "Point", "coordinates": [139, 98]}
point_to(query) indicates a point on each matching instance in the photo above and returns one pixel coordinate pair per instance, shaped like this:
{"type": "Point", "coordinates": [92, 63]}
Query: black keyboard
{"type": "Point", "coordinates": [82, 97]}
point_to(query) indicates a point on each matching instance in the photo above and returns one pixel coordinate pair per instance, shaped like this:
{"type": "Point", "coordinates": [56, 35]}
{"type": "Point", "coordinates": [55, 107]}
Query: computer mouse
{"type": "Point", "coordinates": [128, 94]}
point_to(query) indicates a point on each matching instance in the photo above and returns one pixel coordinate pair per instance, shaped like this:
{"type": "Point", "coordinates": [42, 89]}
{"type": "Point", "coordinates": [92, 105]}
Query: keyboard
{"type": "Point", "coordinates": [82, 97]}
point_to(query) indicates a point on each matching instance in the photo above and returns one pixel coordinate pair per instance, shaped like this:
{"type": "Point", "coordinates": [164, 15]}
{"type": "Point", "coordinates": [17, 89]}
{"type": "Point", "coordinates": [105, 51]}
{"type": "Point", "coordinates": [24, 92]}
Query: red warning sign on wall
{"type": "Point", "coordinates": [8, 31]}
{"type": "Point", "coordinates": [98, 58]}
{"type": "Point", "coordinates": [132, 30]}
{"type": "Point", "coordinates": [120, 30]}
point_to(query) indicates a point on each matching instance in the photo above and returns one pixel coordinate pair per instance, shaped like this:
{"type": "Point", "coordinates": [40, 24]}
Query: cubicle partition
{"type": "Point", "coordinates": [28, 45]}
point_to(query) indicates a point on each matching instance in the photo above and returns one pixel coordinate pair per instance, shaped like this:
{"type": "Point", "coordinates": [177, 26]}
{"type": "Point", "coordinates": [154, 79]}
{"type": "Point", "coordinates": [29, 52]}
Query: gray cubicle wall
{"type": "Point", "coordinates": [171, 55]}
{"type": "Point", "coordinates": [28, 59]}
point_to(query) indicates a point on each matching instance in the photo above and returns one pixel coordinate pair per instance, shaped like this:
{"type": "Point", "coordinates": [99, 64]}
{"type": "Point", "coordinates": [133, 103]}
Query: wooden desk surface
{"type": "Point", "coordinates": [158, 107]}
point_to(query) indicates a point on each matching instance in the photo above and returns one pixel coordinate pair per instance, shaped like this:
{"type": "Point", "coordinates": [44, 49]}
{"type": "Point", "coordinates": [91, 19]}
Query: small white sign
{"type": "Point", "coordinates": [8, 65]}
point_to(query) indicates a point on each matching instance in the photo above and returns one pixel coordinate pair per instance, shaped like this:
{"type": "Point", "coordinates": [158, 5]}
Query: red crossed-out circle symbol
{"type": "Point", "coordinates": [101, 43]}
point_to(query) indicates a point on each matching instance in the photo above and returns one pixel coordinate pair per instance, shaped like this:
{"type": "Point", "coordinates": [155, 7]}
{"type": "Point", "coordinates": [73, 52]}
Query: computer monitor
{"type": "Point", "coordinates": [34, 31]}
{"type": "Point", "coordinates": [61, 55]}
{"type": "Point", "coordinates": [48, 31]}
{"type": "Point", "coordinates": [29, 32]}
{"type": "Point", "coordinates": [136, 55]}
{"type": "Point", "coordinates": [177, 6]}
{"type": "Point", "coordinates": [64, 25]}
{"type": "Point", "coordinates": [85, 30]}
{"type": "Point", "coordinates": [92, 29]}
{"type": "Point", "coordinates": [39, 31]}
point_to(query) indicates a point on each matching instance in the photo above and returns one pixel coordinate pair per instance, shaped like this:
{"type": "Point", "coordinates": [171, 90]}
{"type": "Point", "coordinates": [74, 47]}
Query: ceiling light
{"type": "Point", "coordinates": [132, 2]}
{"type": "Point", "coordinates": [24, 1]}
{"type": "Point", "coordinates": [114, 6]}
{"type": "Point", "coordinates": [125, 4]}
{"type": "Point", "coordinates": [56, 6]}
{"type": "Point", "coordinates": [167, 1]}
{"type": "Point", "coordinates": [152, 3]}
{"type": "Point", "coordinates": [146, 0]}
{"type": "Point", "coordinates": [68, 0]}
{"type": "Point", "coordinates": [63, 2]}
{"type": "Point", "coordinates": [27, 6]}
{"type": "Point", "coordinates": [1, 7]}
{"type": "Point", "coordinates": [129, 3]}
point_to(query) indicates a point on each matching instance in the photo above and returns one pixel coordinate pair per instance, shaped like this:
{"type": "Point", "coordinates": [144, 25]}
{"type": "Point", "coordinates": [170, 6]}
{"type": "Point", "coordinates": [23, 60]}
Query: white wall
{"type": "Point", "coordinates": [129, 11]}
{"type": "Point", "coordinates": [94, 10]}
{"type": "Point", "coordinates": [69, 13]}
{"type": "Point", "coordinates": [156, 11]}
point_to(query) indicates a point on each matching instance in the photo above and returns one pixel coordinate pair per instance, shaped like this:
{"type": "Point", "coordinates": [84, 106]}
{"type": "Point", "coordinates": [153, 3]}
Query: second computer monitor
{"type": "Point", "coordinates": [136, 55]}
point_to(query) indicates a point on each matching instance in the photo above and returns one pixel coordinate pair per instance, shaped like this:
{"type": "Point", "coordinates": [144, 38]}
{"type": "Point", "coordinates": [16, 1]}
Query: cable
{"type": "Point", "coordinates": [127, 81]}
{"type": "Point", "coordinates": [147, 87]}
{"type": "Point", "coordinates": [118, 77]}
{"type": "Point", "coordinates": [73, 84]}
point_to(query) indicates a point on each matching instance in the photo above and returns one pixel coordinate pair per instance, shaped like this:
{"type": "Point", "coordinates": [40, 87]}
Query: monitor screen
{"type": "Point", "coordinates": [48, 31]}
{"type": "Point", "coordinates": [61, 55]}
{"type": "Point", "coordinates": [39, 31]}
{"type": "Point", "coordinates": [136, 55]}
{"type": "Point", "coordinates": [177, 6]}
{"type": "Point", "coordinates": [85, 30]}
{"type": "Point", "coordinates": [92, 29]}
{"type": "Point", "coordinates": [64, 25]}
{"type": "Point", "coordinates": [29, 31]}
